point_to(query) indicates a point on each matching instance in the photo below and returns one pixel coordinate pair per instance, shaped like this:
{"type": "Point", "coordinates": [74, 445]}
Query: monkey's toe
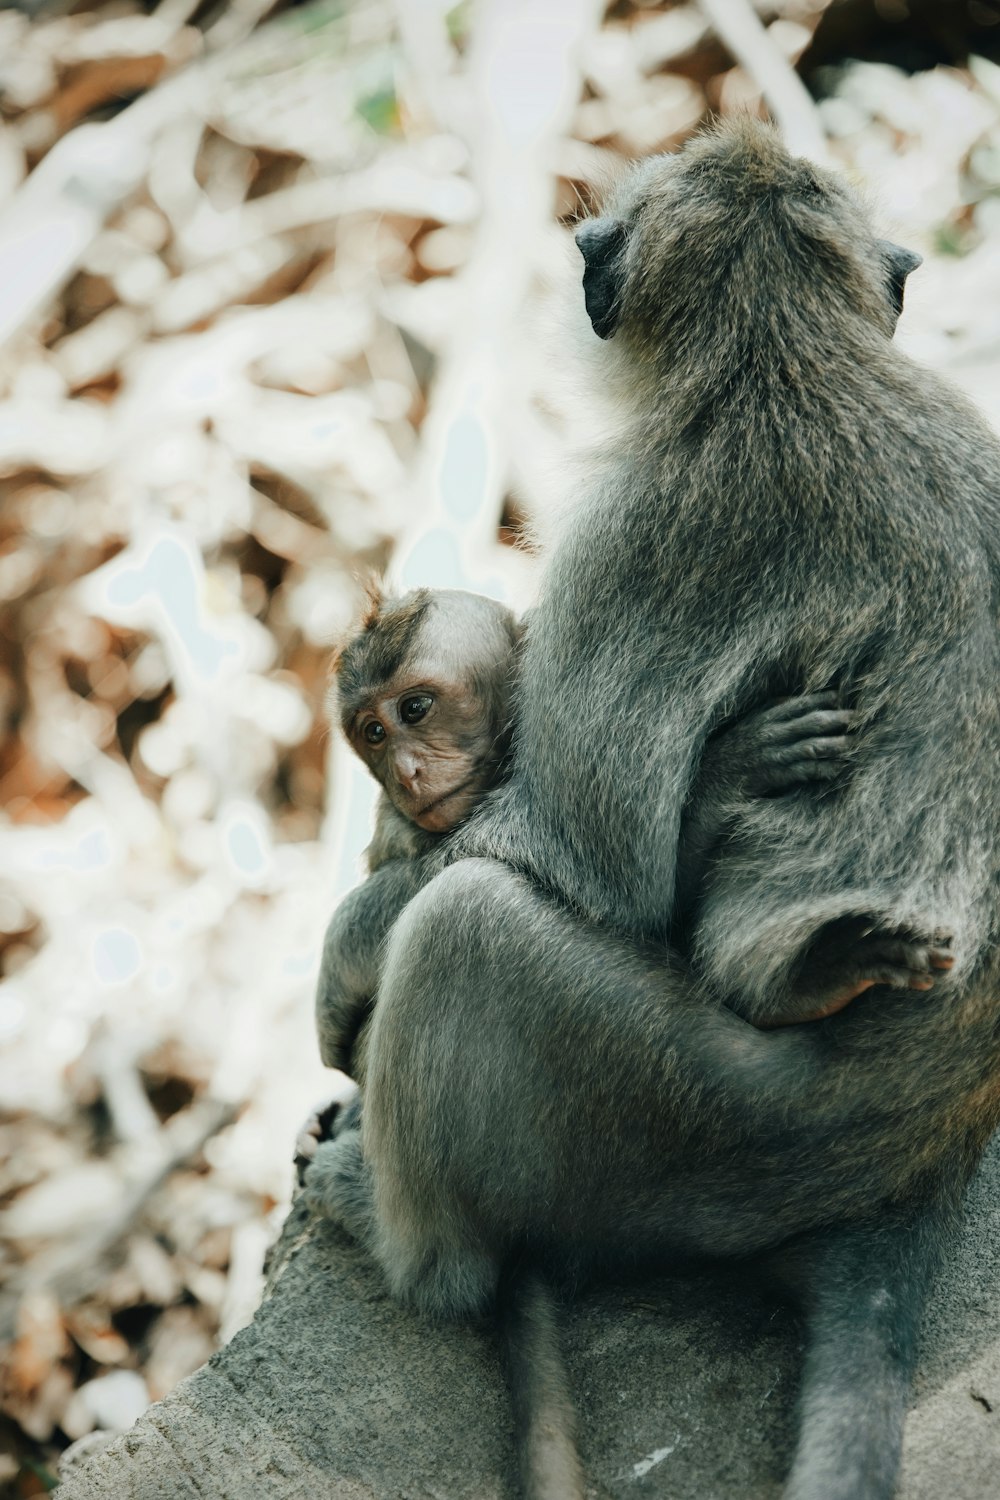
{"type": "Point", "coordinates": [326, 1122]}
{"type": "Point", "coordinates": [940, 954]}
{"type": "Point", "coordinates": [336, 1184]}
{"type": "Point", "coordinates": [319, 1181]}
{"type": "Point", "coordinates": [905, 962]}
{"type": "Point", "coordinates": [305, 1150]}
{"type": "Point", "coordinates": [306, 1144]}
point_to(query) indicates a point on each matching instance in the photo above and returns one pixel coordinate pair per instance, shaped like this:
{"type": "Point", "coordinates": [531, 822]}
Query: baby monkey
{"type": "Point", "coordinates": [425, 695]}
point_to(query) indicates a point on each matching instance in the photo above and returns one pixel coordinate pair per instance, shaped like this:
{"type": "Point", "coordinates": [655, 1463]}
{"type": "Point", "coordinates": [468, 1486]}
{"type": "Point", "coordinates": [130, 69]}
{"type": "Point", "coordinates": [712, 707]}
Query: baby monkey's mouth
{"type": "Point", "coordinates": [435, 809]}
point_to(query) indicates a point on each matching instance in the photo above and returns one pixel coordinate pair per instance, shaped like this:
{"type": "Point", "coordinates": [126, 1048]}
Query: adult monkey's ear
{"type": "Point", "coordinates": [601, 243]}
{"type": "Point", "coordinates": [899, 263]}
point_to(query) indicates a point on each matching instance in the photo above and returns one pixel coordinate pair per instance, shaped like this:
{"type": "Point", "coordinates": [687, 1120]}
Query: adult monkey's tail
{"type": "Point", "coordinates": [544, 1419]}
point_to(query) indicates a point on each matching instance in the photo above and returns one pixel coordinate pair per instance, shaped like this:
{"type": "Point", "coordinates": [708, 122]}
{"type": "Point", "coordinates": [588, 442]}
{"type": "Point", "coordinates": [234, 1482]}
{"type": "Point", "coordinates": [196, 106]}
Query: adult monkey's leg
{"type": "Point", "coordinates": [530, 1075]}
{"type": "Point", "coordinates": [862, 1292]}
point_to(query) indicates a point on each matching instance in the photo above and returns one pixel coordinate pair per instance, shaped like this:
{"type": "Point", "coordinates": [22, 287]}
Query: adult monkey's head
{"type": "Point", "coordinates": [686, 238]}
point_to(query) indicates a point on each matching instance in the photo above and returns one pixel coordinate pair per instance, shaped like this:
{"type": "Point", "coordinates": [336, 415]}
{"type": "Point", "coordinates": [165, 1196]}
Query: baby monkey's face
{"type": "Point", "coordinates": [431, 744]}
{"type": "Point", "coordinates": [432, 720]}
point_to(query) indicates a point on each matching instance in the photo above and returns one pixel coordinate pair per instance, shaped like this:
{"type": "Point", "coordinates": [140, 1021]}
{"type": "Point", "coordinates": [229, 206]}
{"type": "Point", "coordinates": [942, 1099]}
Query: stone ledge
{"type": "Point", "coordinates": [685, 1388]}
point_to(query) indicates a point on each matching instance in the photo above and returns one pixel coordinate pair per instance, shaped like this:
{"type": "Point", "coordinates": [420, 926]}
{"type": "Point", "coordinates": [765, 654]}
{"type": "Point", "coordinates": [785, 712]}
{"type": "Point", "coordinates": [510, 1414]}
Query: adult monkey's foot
{"type": "Point", "coordinates": [325, 1122]}
{"type": "Point", "coordinates": [854, 955]}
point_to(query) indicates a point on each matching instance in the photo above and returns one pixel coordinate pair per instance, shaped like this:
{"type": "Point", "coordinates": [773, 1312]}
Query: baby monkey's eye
{"type": "Point", "coordinates": [373, 732]}
{"type": "Point", "coordinates": [412, 710]}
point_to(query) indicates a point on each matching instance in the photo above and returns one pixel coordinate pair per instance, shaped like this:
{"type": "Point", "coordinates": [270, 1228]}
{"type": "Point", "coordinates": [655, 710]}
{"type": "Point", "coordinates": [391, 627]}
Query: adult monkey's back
{"type": "Point", "coordinates": [796, 506]}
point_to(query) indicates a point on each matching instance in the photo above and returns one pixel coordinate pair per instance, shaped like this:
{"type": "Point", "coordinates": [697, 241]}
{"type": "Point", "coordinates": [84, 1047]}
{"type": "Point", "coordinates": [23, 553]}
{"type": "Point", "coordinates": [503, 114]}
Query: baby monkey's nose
{"type": "Point", "coordinates": [408, 772]}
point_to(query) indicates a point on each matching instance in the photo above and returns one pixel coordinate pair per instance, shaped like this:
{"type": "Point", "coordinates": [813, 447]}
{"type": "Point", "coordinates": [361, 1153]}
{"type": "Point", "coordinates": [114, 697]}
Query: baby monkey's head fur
{"type": "Point", "coordinates": [733, 238]}
{"type": "Point", "coordinates": [423, 692]}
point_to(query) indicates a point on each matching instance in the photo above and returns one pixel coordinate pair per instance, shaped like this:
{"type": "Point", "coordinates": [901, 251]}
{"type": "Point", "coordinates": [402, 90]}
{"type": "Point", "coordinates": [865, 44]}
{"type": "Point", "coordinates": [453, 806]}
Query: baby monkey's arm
{"type": "Point", "coordinates": [355, 937]}
{"type": "Point", "coordinates": [352, 954]}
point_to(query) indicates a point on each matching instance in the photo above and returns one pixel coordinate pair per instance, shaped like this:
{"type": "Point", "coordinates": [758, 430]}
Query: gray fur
{"type": "Point", "coordinates": [797, 505]}
{"type": "Point", "coordinates": [796, 744]}
{"type": "Point", "coordinates": [401, 861]}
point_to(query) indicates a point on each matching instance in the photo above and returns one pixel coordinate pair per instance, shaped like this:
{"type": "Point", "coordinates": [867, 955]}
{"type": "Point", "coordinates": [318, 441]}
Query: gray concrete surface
{"type": "Point", "coordinates": [685, 1388]}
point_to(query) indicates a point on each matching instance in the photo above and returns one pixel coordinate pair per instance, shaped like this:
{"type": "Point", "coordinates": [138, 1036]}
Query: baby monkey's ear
{"type": "Point", "coordinates": [374, 599]}
{"type": "Point", "coordinates": [364, 617]}
{"type": "Point", "coordinates": [602, 242]}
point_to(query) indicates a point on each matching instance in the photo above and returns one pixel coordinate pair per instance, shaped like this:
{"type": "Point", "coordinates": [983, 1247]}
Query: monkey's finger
{"type": "Point", "coordinates": [922, 955]}
{"type": "Point", "coordinates": [823, 748]}
{"type": "Point", "coordinates": [941, 937]}
{"type": "Point", "coordinates": [917, 959]}
{"type": "Point", "coordinates": [900, 950]}
{"type": "Point", "coordinates": [897, 978]}
{"type": "Point", "coordinates": [777, 776]}
{"type": "Point", "coordinates": [799, 773]}
{"type": "Point", "coordinates": [790, 708]}
{"type": "Point", "coordinates": [818, 722]}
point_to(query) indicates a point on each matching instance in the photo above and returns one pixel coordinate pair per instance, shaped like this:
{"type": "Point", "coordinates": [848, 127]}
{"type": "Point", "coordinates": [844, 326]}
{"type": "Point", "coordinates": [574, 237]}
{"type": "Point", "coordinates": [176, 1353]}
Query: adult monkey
{"type": "Point", "coordinates": [796, 506]}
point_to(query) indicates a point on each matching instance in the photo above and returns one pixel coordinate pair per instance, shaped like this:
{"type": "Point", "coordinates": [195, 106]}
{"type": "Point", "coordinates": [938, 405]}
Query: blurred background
{"type": "Point", "coordinates": [273, 293]}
